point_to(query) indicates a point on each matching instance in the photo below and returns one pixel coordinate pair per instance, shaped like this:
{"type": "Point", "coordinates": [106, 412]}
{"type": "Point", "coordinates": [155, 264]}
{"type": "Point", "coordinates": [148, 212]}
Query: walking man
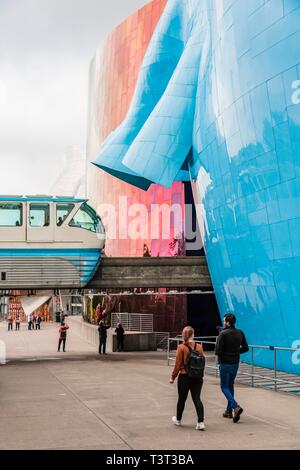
{"type": "Point", "coordinates": [102, 337]}
{"type": "Point", "coordinates": [231, 343]}
{"type": "Point", "coordinates": [62, 336]}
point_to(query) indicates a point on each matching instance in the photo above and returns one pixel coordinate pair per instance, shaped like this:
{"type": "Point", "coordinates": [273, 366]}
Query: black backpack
{"type": "Point", "coordinates": [195, 364]}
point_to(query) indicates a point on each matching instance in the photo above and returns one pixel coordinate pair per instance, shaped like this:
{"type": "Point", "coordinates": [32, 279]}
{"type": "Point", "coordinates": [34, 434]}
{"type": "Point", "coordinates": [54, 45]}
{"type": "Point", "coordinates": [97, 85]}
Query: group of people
{"type": "Point", "coordinates": [190, 364]}
{"type": "Point", "coordinates": [11, 320]}
{"type": "Point", "coordinates": [34, 322]}
{"type": "Point", "coordinates": [120, 332]}
{"type": "Point", "coordinates": [102, 329]}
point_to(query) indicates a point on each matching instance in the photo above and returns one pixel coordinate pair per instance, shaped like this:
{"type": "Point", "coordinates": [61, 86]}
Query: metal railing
{"type": "Point", "coordinates": [161, 340]}
{"type": "Point", "coordinates": [249, 372]}
{"type": "Point", "coordinates": [142, 322]}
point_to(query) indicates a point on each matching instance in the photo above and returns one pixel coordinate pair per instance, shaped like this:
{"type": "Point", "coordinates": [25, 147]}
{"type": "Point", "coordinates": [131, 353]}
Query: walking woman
{"type": "Point", "coordinates": [189, 367]}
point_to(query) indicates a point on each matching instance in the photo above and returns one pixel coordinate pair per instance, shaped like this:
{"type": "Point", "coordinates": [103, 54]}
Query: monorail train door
{"type": "Point", "coordinates": [40, 221]}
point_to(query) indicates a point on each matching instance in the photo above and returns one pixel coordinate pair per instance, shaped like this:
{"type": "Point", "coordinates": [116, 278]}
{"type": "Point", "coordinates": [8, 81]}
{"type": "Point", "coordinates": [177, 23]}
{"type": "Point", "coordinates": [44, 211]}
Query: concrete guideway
{"type": "Point", "coordinates": [130, 272]}
{"type": "Point", "coordinates": [177, 272]}
{"type": "Point", "coordinates": [78, 400]}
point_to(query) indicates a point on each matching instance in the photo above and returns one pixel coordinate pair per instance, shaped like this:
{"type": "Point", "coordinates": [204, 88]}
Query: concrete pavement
{"type": "Point", "coordinates": [41, 344]}
{"type": "Point", "coordinates": [79, 400]}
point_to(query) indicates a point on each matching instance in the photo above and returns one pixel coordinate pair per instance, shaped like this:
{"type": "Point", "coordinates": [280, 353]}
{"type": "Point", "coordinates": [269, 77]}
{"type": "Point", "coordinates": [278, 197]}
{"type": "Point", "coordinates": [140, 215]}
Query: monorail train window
{"type": "Point", "coordinates": [10, 214]}
{"type": "Point", "coordinates": [86, 218]}
{"type": "Point", "coordinates": [39, 215]}
{"type": "Point", "coordinates": [62, 212]}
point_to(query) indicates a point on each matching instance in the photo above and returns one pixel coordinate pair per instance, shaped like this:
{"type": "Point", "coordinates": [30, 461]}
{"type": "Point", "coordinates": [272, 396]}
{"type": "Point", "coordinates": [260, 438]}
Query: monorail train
{"type": "Point", "coordinates": [50, 242]}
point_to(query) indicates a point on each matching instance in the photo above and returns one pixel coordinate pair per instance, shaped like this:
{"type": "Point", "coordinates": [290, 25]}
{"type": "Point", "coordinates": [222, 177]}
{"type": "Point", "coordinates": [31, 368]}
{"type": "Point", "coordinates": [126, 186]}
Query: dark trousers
{"type": "Point", "coordinates": [17, 326]}
{"type": "Point", "coordinates": [185, 384]}
{"type": "Point", "coordinates": [63, 341]}
{"type": "Point", "coordinates": [37, 326]}
{"type": "Point", "coordinates": [10, 326]}
{"type": "Point", "coordinates": [102, 345]}
{"type": "Point", "coordinates": [120, 343]}
{"type": "Point", "coordinates": [228, 373]}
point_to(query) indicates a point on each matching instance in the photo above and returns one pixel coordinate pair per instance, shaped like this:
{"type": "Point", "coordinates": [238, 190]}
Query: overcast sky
{"type": "Point", "coordinates": [45, 50]}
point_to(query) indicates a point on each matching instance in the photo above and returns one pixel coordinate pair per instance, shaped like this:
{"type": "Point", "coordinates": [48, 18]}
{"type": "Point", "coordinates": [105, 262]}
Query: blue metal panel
{"type": "Point", "coordinates": [220, 76]}
{"type": "Point", "coordinates": [86, 260]}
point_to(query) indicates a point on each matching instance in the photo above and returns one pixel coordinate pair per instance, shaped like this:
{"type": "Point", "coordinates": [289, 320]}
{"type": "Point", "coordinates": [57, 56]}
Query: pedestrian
{"type": "Point", "coordinates": [62, 336]}
{"type": "Point", "coordinates": [102, 329]}
{"type": "Point", "coordinates": [189, 367]}
{"type": "Point", "coordinates": [29, 318]}
{"type": "Point", "coordinates": [10, 322]}
{"type": "Point", "coordinates": [120, 332]}
{"type": "Point", "coordinates": [62, 317]}
{"type": "Point", "coordinates": [38, 322]}
{"type": "Point", "coordinates": [33, 325]}
{"type": "Point", "coordinates": [18, 321]}
{"type": "Point", "coordinates": [231, 343]}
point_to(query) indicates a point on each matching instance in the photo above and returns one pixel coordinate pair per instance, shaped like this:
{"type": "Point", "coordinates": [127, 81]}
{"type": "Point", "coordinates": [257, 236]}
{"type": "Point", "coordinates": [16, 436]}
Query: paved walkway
{"type": "Point", "coordinates": [79, 400]}
{"type": "Point", "coordinates": [41, 344]}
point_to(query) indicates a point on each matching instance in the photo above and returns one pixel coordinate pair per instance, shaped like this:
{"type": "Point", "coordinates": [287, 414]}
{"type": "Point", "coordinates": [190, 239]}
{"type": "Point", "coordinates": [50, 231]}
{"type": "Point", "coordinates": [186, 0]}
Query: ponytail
{"type": "Point", "coordinates": [187, 333]}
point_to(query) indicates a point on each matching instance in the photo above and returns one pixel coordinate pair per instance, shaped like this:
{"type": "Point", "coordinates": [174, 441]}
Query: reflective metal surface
{"type": "Point", "coordinates": [222, 77]}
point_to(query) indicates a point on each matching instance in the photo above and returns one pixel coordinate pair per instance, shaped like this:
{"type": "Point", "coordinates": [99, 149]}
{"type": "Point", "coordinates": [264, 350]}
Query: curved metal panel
{"type": "Point", "coordinates": [234, 82]}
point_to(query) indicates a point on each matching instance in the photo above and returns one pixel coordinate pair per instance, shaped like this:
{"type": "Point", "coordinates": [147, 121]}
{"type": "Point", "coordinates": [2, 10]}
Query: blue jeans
{"type": "Point", "coordinates": [228, 374]}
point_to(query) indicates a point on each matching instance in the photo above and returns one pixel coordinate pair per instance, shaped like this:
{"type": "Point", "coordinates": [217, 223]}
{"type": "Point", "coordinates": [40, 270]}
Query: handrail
{"type": "Point", "coordinates": [200, 339]}
{"type": "Point", "coordinates": [253, 375]}
{"type": "Point", "coordinates": [163, 340]}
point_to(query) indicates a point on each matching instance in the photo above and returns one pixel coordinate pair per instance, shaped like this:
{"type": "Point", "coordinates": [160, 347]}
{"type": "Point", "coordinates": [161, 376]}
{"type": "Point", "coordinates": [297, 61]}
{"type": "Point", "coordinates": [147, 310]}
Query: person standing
{"type": "Point", "coordinates": [38, 321]}
{"type": "Point", "coordinates": [62, 317]}
{"type": "Point", "coordinates": [10, 322]}
{"type": "Point", "coordinates": [190, 379]}
{"type": "Point", "coordinates": [62, 336]}
{"type": "Point", "coordinates": [231, 343]}
{"type": "Point", "coordinates": [102, 329]}
{"type": "Point", "coordinates": [18, 321]}
{"type": "Point", "coordinates": [120, 337]}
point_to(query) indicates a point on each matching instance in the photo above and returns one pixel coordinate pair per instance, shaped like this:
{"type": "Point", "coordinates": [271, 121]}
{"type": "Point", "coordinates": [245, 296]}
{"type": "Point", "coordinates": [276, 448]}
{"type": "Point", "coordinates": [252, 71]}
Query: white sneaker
{"type": "Point", "coordinates": [200, 427]}
{"type": "Point", "coordinates": [175, 421]}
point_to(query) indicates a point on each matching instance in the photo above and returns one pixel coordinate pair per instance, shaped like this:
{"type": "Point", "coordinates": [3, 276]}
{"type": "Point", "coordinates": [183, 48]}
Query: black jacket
{"type": "Point", "coordinates": [231, 343]}
{"type": "Point", "coordinates": [103, 331]}
{"type": "Point", "coordinates": [120, 332]}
